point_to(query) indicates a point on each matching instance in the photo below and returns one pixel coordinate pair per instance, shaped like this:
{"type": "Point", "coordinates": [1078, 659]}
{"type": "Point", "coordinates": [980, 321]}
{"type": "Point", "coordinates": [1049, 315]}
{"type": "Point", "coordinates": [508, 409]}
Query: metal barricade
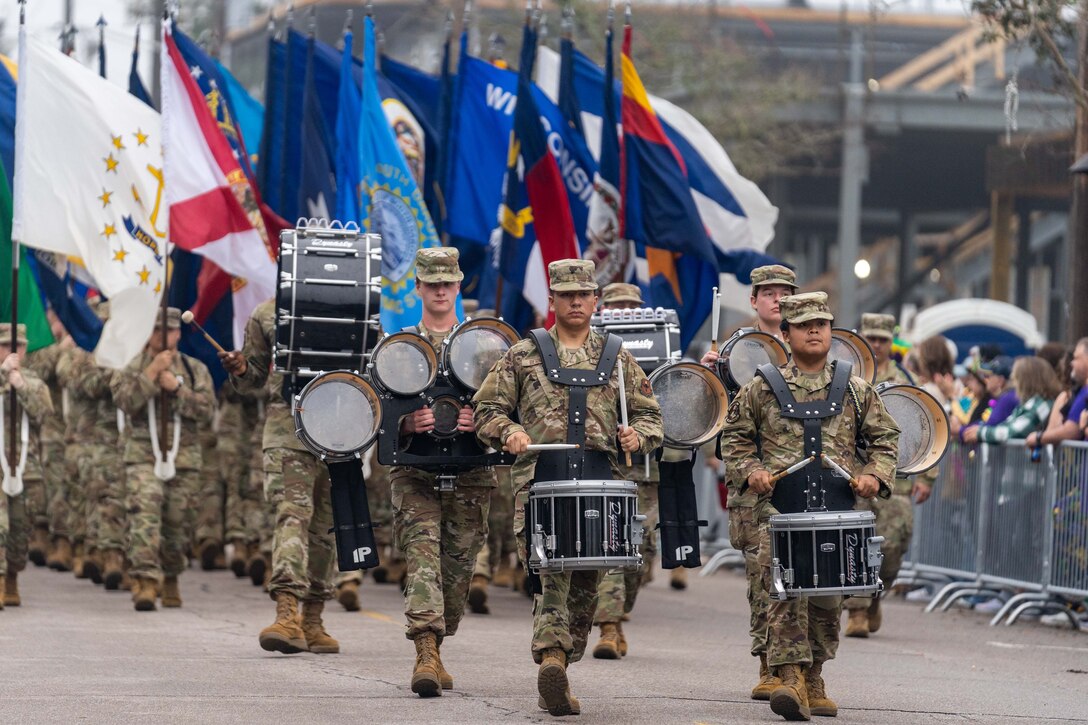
{"type": "Point", "coordinates": [1069, 540]}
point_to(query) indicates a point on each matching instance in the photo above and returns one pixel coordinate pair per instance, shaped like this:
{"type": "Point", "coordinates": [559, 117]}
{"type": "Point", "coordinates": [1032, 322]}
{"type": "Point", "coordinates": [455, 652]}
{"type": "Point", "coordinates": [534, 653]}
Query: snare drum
{"type": "Point", "coordinates": [923, 426]}
{"type": "Point", "coordinates": [849, 346]}
{"type": "Point", "coordinates": [693, 403]}
{"type": "Point", "coordinates": [471, 350]}
{"type": "Point", "coordinates": [577, 525]}
{"type": "Point", "coordinates": [744, 352]}
{"type": "Point", "coordinates": [337, 415]}
{"type": "Point", "coordinates": [327, 300]}
{"type": "Point", "coordinates": [404, 363]}
{"type": "Point", "coordinates": [825, 553]}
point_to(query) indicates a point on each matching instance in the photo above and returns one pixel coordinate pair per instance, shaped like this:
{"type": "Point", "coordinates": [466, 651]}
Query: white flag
{"type": "Point", "coordinates": [89, 184]}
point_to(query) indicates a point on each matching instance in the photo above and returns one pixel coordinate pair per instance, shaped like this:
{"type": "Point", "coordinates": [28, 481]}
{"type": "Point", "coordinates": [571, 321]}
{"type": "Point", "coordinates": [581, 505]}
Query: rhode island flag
{"type": "Point", "coordinates": [390, 203]}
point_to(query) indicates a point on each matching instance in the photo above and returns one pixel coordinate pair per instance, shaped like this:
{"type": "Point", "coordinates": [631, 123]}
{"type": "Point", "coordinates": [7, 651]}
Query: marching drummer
{"type": "Point", "coordinates": [894, 516]}
{"type": "Point", "coordinates": [759, 440]}
{"type": "Point", "coordinates": [440, 532]}
{"type": "Point", "coordinates": [549, 412]}
{"type": "Point", "coordinates": [770, 284]}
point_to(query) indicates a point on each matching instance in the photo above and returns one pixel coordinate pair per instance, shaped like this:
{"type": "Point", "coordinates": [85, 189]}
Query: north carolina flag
{"type": "Point", "coordinates": [213, 209]}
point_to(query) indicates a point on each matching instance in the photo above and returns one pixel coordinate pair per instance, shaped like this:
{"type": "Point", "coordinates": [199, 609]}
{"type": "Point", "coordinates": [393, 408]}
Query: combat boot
{"type": "Point", "coordinates": [348, 595]}
{"type": "Point", "coordinates": [504, 574]}
{"type": "Point", "coordinates": [858, 623]}
{"type": "Point", "coordinates": [238, 558]}
{"type": "Point", "coordinates": [171, 593]}
{"type": "Point", "coordinates": [11, 590]}
{"type": "Point", "coordinates": [395, 572]}
{"type": "Point", "coordinates": [426, 681]}
{"type": "Point", "coordinates": [444, 677]}
{"type": "Point", "coordinates": [317, 639]}
{"type": "Point", "coordinates": [257, 568]}
{"type": "Point", "coordinates": [209, 550]}
{"type": "Point", "coordinates": [92, 566]}
{"type": "Point", "coordinates": [143, 594]}
{"type": "Point", "coordinates": [767, 681]}
{"type": "Point", "coordinates": [39, 544]}
{"type": "Point", "coordinates": [608, 647]}
{"type": "Point", "coordinates": [623, 639]}
{"type": "Point", "coordinates": [790, 699]}
{"type": "Point", "coordinates": [78, 560]}
{"type": "Point", "coordinates": [553, 685]}
{"type": "Point", "coordinates": [113, 565]}
{"type": "Point", "coordinates": [678, 579]}
{"type": "Point", "coordinates": [477, 594]}
{"type": "Point", "coordinates": [575, 706]}
{"type": "Point", "coordinates": [818, 701]}
{"type": "Point", "coordinates": [284, 635]}
{"type": "Point", "coordinates": [61, 557]}
{"type": "Point", "coordinates": [875, 616]}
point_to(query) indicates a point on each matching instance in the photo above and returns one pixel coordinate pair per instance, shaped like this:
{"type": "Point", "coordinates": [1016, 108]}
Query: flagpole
{"type": "Point", "coordinates": [164, 303]}
{"type": "Point", "coordinates": [13, 457]}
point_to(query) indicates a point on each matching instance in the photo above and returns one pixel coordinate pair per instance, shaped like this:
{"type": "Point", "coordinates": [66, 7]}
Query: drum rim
{"type": "Point", "coordinates": [579, 485]}
{"type": "Point", "coordinates": [434, 404]}
{"type": "Point", "coordinates": [360, 383]}
{"type": "Point", "coordinates": [719, 390]}
{"type": "Point", "coordinates": [865, 351]}
{"type": "Point", "coordinates": [938, 419]}
{"type": "Point", "coordinates": [822, 519]}
{"type": "Point", "coordinates": [494, 323]}
{"type": "Point", "coordinates": [781, 354]}
{"type": "Point", "coordinates": [420, 342]}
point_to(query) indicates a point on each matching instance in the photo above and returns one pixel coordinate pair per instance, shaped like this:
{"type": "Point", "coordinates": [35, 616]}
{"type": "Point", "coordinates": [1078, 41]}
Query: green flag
{"type": "Point", "coordinates": [31, 310]}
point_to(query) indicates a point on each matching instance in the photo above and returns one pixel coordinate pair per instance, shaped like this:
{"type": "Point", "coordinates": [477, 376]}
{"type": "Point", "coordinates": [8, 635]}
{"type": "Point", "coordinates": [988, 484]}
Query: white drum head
{"type": "Point", "coordinates": [693, 403]}
{"type": "Point", "coordinates": [404, 364]}
{"type": "Point", "coordinates": [923, 426]}
{"type": "Point", "coordinates": [747, 350]}
{"type": "Point", "coordinates": [475, 347]}
{"type": "Point", "coordinates": [849, 346]}
{"type": "Point", "coordinates": [338, 415]}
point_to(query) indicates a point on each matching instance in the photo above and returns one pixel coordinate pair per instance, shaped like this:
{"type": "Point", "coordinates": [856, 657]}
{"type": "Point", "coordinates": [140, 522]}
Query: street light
{"type": "Point", "coordinates": [862, 269]}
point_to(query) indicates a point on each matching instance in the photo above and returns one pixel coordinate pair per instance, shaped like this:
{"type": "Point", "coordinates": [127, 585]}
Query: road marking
{"type": "Point", "coordinates": [378, 616]}
{"type": "Point", "coordinates": [1062, 648]}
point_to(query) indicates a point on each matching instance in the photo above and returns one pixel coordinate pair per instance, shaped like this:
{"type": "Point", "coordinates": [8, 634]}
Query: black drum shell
{"type": "Point", "coordinates": [827, 552]}
{"type": "Point", "coordinates": [591, 522]}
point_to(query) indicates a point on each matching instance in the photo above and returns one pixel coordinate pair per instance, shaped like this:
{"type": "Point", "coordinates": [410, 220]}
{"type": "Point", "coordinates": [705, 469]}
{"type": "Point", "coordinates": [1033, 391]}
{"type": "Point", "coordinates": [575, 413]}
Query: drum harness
{"type": "Point", "coordinates": [814, 482]}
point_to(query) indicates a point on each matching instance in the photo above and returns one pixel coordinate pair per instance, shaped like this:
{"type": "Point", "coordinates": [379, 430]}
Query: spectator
{"type": "Point", "coordinates": [972, 402]}
{"type": "Point", "coordinates": [1063, 424]}
{"type": "Point", "coordinates": [996, 375]}
{"type": "Point", "coordinates": [1036, 386]}
{"type": "Point", "coordinates": [1053, 352]}
{"type": "Point", "coordinates": [934, 363]}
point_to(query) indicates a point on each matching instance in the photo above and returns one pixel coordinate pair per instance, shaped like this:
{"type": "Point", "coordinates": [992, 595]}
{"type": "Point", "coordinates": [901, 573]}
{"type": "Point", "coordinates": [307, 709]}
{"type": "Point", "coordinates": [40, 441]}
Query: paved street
{"type": "Point", "coordinates": [73, 653]}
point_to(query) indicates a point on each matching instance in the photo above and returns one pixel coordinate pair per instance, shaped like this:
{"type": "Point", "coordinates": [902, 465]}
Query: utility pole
{"type": "Point", "coordinates": [1077, 297]}
{"type": "Point", "coordinates": [855, 173]}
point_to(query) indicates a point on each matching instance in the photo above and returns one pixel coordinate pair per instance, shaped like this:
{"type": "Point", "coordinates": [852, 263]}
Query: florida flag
{"type": "Point", "coordinates": [213, 209]}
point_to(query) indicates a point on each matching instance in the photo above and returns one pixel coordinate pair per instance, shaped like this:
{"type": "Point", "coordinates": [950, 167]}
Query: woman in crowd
{"type": "Point", "coordinates": [1036, 386]}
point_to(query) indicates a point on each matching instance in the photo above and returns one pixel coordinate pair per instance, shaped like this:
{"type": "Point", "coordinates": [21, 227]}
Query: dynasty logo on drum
{"type": "Point", "coordinates": [612, 543]}
{"type": "Point", "coordinates": [852, 555]}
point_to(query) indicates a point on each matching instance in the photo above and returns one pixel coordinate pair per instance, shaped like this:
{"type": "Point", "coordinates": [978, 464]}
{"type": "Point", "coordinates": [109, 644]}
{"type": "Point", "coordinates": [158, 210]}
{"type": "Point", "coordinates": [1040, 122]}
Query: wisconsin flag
{"type": "Point", "coordinates": [89, 184]}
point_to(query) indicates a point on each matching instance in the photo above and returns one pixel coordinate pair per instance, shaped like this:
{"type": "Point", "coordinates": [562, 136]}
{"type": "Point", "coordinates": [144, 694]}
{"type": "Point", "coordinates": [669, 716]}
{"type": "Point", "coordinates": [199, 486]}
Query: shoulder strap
{"type": "Point", "coordinates": [781, 391]}
{"type": "Point", "coordinates": [573, 377]}
{"type": "Point", "coordinates": [189, 370]}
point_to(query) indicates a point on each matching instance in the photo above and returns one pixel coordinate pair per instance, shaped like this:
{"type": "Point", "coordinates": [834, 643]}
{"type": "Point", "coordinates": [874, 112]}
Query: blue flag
{"type": "Point", "coordinates": [7, 118]}
{"type": "Point", "coordinates": [66, 297]}
{"type": "Point", "coordinates": [347, 138]}
{"type": "Point", "coordinates": [317, 180]}
{"type": "Point", "coordinates": [248, 113]}
{"type": "Point", "coordinates": [135, 85]}
{"type": "Point", "coordinates": [270, 158]}
{"type": "Point", "coordinates": [390, 202]}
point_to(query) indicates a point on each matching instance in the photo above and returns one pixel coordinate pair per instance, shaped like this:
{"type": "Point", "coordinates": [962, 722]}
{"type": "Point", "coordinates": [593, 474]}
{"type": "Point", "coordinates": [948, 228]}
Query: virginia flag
{"type": "Point", "coordinates": [390, 202]}
{"type": "Point", "coordinates": [213, 209]}
{"type": "Point", "coordinates": [89, 184]}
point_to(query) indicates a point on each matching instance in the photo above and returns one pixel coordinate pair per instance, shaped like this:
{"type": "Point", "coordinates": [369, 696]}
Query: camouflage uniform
{"type": "Point", "coordinates": [518, 383]}
{"type": "Point", "coordinates": [33, 399]}
{"type": "Point", "coordinates": [100, 472]}
{"type": "Point", "coordinates": [44, 363]}
{"type": "Point", "coordinates": [500, 527]}
{"type": "Point", "coordinates": [296, 483]}
{"type": "Point", "coordinates": [619, 587]}
{"type": "Point", "coordinates": [757, 437]}
{"type": "Point", "coordinates": [161, 512]}
{"type": "Point", "coordinates": [239, 430]}
{"type": "Point", "coordinates": [895, 515]}
{"type": "Point", "coordinates": [210, 498]}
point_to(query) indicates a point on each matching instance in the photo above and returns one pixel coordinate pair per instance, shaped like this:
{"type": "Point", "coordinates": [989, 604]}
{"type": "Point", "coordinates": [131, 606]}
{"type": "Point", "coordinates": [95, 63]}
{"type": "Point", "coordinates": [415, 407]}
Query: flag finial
{"type": "Point", "coordinates": [627, 13]}
{"type": "Point", "coordinates": [22, 12]}
{"type": "Point", "coordinates": [611, 14]}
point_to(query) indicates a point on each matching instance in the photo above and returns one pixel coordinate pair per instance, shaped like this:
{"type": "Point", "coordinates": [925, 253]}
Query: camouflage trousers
{"type": "Point", "coordinates": [563, 613]}
{"type": "Point", "coordinates": [211, 501]}
{"type": "Point", "coordinates": [56, 470]}
{"type": "Point", "coordinates": [800, 631]}
{"type": "Point", "coordinates": [160, 517]}
{"type": "Point", "coordinates": [379, 498]}
{"type": "Point", "coordinates": [15, 528]}
{"type": "Point", "coordinates": [895, 522]}
{"type": "Point", "coordinates": [303, 550]}
{"type": "Point", "coordinates": [440, 533]}
{"type": "Point", "coordinates": [102, 477]}
{"type": "Point", "coordinates": [246, 511]}
{"type": "Point", "coordinates": [744, 535]}
{"type": "Point", "coordinates": [500, 527]}
{"type": "Point", "coordinates": [76, 497]}
{"type": "Point", "coordinates": [619, 587]}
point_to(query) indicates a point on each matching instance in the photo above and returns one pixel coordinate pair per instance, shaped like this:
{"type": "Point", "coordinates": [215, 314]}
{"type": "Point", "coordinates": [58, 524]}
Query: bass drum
{"type": "Point", "coordinates": [337, 415]}
{"type": "Point", "coordinates": [923, 426]}
{"type": "Point", "coordinates": [693, 403]}
{"type": "Point", "coordinates": [744, 352]}
{"type": "Point", "coordinates": [849, 346]}
{"type": "Point", "coordinates": [404, 363]}
{"type": "Point", "coordinates": [474, 347]}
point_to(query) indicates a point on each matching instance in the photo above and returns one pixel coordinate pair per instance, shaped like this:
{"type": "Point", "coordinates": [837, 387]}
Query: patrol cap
{"type": "Point", "coordinates": [173, 318]}
{"type": "Point", "coordinates": [621, 292]}
{"type": "Point", "coordinates": [800, 308]}
{"type": "Point", "coordinates": [438, 264]}
{"type": "Point", "coordinates": [773, 274]}
{"type": "Point", "coordinates": [1000, 365]}
{"type": "Point", "coordinates": [571, 275]}
{"type": "Point", "coordinates": [874, 325]}
{"type": "Point", "coordinates": [5, 334]}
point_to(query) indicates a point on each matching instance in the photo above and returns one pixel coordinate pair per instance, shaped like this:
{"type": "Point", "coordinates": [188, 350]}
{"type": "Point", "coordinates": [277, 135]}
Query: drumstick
{"type": "Point", "coordinates": [841, 471]}
{"type": "Point", "coordinates": [623, 409]}
{"type": "Point", "coordinates": [792, 469]}
{"type": "Point", "coordinates": [552, 447]}
{"type": "Point", "coordinates": [187, 318]}
{"type": "Point", "coordinates": [717, 310]}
